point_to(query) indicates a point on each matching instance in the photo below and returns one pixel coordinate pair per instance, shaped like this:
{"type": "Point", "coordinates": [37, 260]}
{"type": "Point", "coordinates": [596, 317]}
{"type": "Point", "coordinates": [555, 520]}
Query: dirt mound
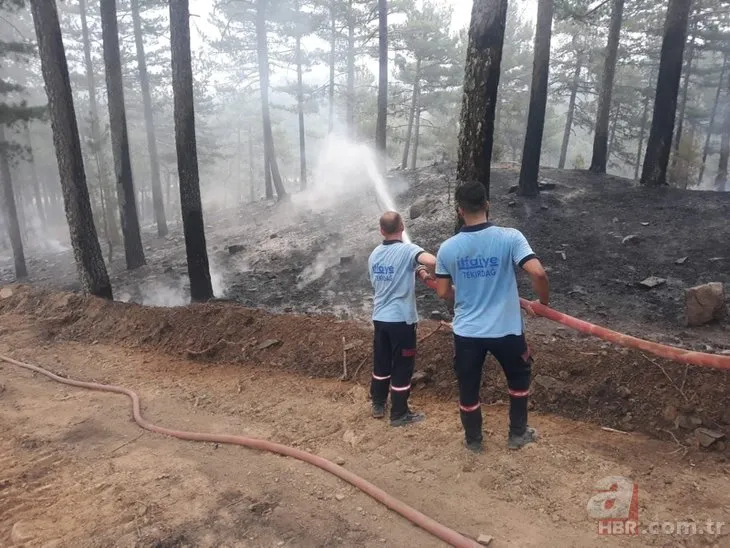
{"type": "Point", "coordinates": [574, 376]}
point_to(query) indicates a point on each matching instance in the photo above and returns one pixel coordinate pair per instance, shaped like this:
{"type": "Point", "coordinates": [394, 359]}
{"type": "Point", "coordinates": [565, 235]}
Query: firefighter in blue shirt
{"type": "Point", "coordinates": [475, 269]}
{"type": "Point", "coordinates": [392, 269]}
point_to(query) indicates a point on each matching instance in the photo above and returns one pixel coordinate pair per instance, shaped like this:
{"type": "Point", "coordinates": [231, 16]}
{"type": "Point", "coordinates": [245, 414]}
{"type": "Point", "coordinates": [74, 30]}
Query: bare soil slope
{"type": "Point", "coordinates": [75, 471]}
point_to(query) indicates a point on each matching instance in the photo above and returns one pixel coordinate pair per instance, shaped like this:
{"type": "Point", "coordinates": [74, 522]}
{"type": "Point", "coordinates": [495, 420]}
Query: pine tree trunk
{"type": "Point", "coordinates": [614, 124]}
{"type": "Point", "coordinates": [157, 204]}
{"type": "Point", "coordinates": [416, 135]}
{"type": "Point", "coordinates": [722, 175]}
{"type": "Point", "coordinates": [642, 130]}
{"type": "Point", "coordinates": [333, 52]}
{"type": "Point", "coordinates": [713, 115]}
{"type": "Point", "coordinates": [34, 178]}
{"type": "Point", "coordinates": [300, 111]}
{"type": "Point", "coordinates": [111, 206]}
{"type": "Point", "coordinates": [251, 180]}
{"type": "Point", "coordinates": [133, 250]}
{"type": "Point", "coordinates": [87, 252]}
{"type": "Point", "coordinates": [600, 139]}
{"type": "Point", "coordinates": [350, 108]}
{"type": "Point", "coordinates": [659, 146]}
{"type": "Point", "coordinates": [201, 288]}
{"type": "Point", "coordinates": [10, 210]}
{"type": "Point", "coordinates": [411, 114]}
{"type": "Point", "coordinates": [267, 175]}
{"type": "Point", "coordinates": [687, 72]}
{"type": "Point", "coordinates": [382, 119]}
{"type": "Point", "coordinates": [481, 82]}
{"type": "Point", "coordinates": [263, 59]}
{"type": "Point", "coordinates": [538, 101]}
{"type": "Point", "coordinates": [571, 112]}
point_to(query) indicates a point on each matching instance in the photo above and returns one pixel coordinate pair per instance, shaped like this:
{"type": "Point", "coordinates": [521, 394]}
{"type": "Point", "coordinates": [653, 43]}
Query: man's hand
{"type": "Point", "coordinates": [529, 310]}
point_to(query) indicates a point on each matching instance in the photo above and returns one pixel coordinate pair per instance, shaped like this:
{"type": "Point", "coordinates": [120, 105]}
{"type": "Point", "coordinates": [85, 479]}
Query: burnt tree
{"type": "Point", "coordinates": [107, 193]}
{"type": "Point", "coordinates": [713, 116]}
{"type": "Point", "coordinates": [87, 252]}
{"type": "Point", "coordinates": [538, 101]}
{"type": "Point", "coordinates": [201, 288]}
{"type": "Point", "coordinates": [600, 138]}
{"type": "Point", "coordinates": [382, 120]}
{"type": "Point", "coordinates": [481, 82]}
{"type": "Point", "coordinates": [10, 209]}
{"type": "Point", "coordinates": [262, 49]}
{"type": "Point", "coordinates": [133, 250]}
{"type": "Point", "coordinates": [571, 109]}
{"type": "Point", "coordinates": [144, 81]}
{"type": "Point", "coordinates": [659, 145]}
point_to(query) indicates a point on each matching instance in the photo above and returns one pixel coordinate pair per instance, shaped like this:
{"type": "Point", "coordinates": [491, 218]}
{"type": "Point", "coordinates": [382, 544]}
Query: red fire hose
{"type": "Point", "coordinates": [681, 355]}
{"type": "Point", "coordinates": [411, 514]}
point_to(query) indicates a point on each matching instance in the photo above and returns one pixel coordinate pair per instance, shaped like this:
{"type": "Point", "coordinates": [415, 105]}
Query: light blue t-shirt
{"type": "Point", "coordinates": [480, 261]}
{"type": "Point", "coordinates": [391, 269]}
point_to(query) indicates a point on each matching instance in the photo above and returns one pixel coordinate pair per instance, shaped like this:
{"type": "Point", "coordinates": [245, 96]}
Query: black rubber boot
{"type": "Point", "coordinates": [472, 423]}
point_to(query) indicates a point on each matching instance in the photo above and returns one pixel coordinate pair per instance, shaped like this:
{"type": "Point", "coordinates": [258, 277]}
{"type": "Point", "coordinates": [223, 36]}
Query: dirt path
{"type": "Point", "coordinates": [76, 471]}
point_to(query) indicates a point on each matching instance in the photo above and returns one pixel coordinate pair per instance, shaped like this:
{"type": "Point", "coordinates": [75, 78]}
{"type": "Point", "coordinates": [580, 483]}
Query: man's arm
{"type": "Point", "coordinates": [540, 282]}
{"type": "Point", "coordinates": [444, 289]}
{"type": "Point", "coordinates": [428, 260]}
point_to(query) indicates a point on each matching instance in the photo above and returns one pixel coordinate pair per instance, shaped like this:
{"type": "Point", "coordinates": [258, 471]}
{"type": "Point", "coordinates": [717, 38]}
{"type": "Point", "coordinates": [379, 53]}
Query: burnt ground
{"type": "Point", "coordinates": [309, 256]}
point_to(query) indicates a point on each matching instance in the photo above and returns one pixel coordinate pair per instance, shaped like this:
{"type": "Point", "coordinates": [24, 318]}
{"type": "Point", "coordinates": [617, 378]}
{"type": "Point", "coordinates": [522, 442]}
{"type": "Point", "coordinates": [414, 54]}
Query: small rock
{"type": "Point", "coordinates": [484, 540]}
{"type": "Point", "coordinates": [644, 224]}
{"type": "Point", "coordinates": [420, 377]}
{"type": "Point", "coordinates": [562, 255]}
{"type": "Point", "coordinates": [726, 417]}
{"type": "Point", "coordinates": [437, 315]}
{"type": "Point", "coordinates": [631, 239]}
{"type": "Point", "coordinates": [624, 392]}
{"type": "Point", "coordinates": [6, 293]}
{"type": "Point", "coordinates": [339, 461]}
{"type": "Point", "coordinates": [347, 260]}
{"type": "Point", "coordinates": [670, 414]}
{"type": "Point", "coordinates": [511, 203]}
{"type": "Point", "coordinates": [687, 422]}
{"type": "Point", "coordinates": [420, 207]}
{"type": "Point", "coordinates": [544, 207]}
{"type": "Point", "coordinates": [22, 532]}
{"type": "Point", "coordinates": [615, 220]}
{"type": "Point", "coordinates": [705, 303]}
{"type": "Point", "coordinates": [268, 344]}
{"type": "Point", "coordinates": [340, 497]}
{"type": "Point", "coordinates": [681, 260]}
{"type": "Point", "coordinates": [273, 236]}
{"type": "Point", "coordinates": [707, 437]}
{"type": "Point", "coordinates": [235, 248]}
{"type": "Point", "coordinates": [549, 383]}
{"type": "Point", "coordinates": [652, 281]}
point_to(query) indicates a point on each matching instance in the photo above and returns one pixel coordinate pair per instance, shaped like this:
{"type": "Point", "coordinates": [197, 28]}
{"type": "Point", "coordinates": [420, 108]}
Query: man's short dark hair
{"type": "Point", "coordinates": [472, 197]}
{"type": "Point", "coordinates": [391, 222]}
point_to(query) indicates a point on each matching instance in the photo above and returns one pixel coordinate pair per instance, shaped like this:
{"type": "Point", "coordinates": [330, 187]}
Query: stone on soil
{"type": "Point", "coordinates": [652, 281]}
{"type": "Point", "coordinates": [688, 422]}
{"type": "Point", "coordinates": [484, 540]}
{"type": "Point", "coordinates": [268, 344]}
{"type": "Point", "coordinates": [705, 303]}
{"type": "Point", "coordinates": [631, 239]}
{"type": "Point", "coordinates": [707, 437]}
{"type": "Point", "coordinates": [420, 207]}
{"type": "Point", "coordinates": [6, 293]}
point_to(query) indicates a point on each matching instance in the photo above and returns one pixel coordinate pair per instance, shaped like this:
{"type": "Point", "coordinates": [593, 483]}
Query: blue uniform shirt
{"type": "Point", "coordinates": [480, 262]}
{"type": "Point", "coordinates": [391, 269]}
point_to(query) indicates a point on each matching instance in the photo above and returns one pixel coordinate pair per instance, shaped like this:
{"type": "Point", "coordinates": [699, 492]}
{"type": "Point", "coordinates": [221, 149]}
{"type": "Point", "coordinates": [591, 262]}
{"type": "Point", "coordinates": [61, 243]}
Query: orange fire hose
{"type": "Point", "coordinates": [411, 514]}
{"type": "Point", "coordinates": [690, 357]}
{"type": "Point", "coordinates": [681, 355]}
